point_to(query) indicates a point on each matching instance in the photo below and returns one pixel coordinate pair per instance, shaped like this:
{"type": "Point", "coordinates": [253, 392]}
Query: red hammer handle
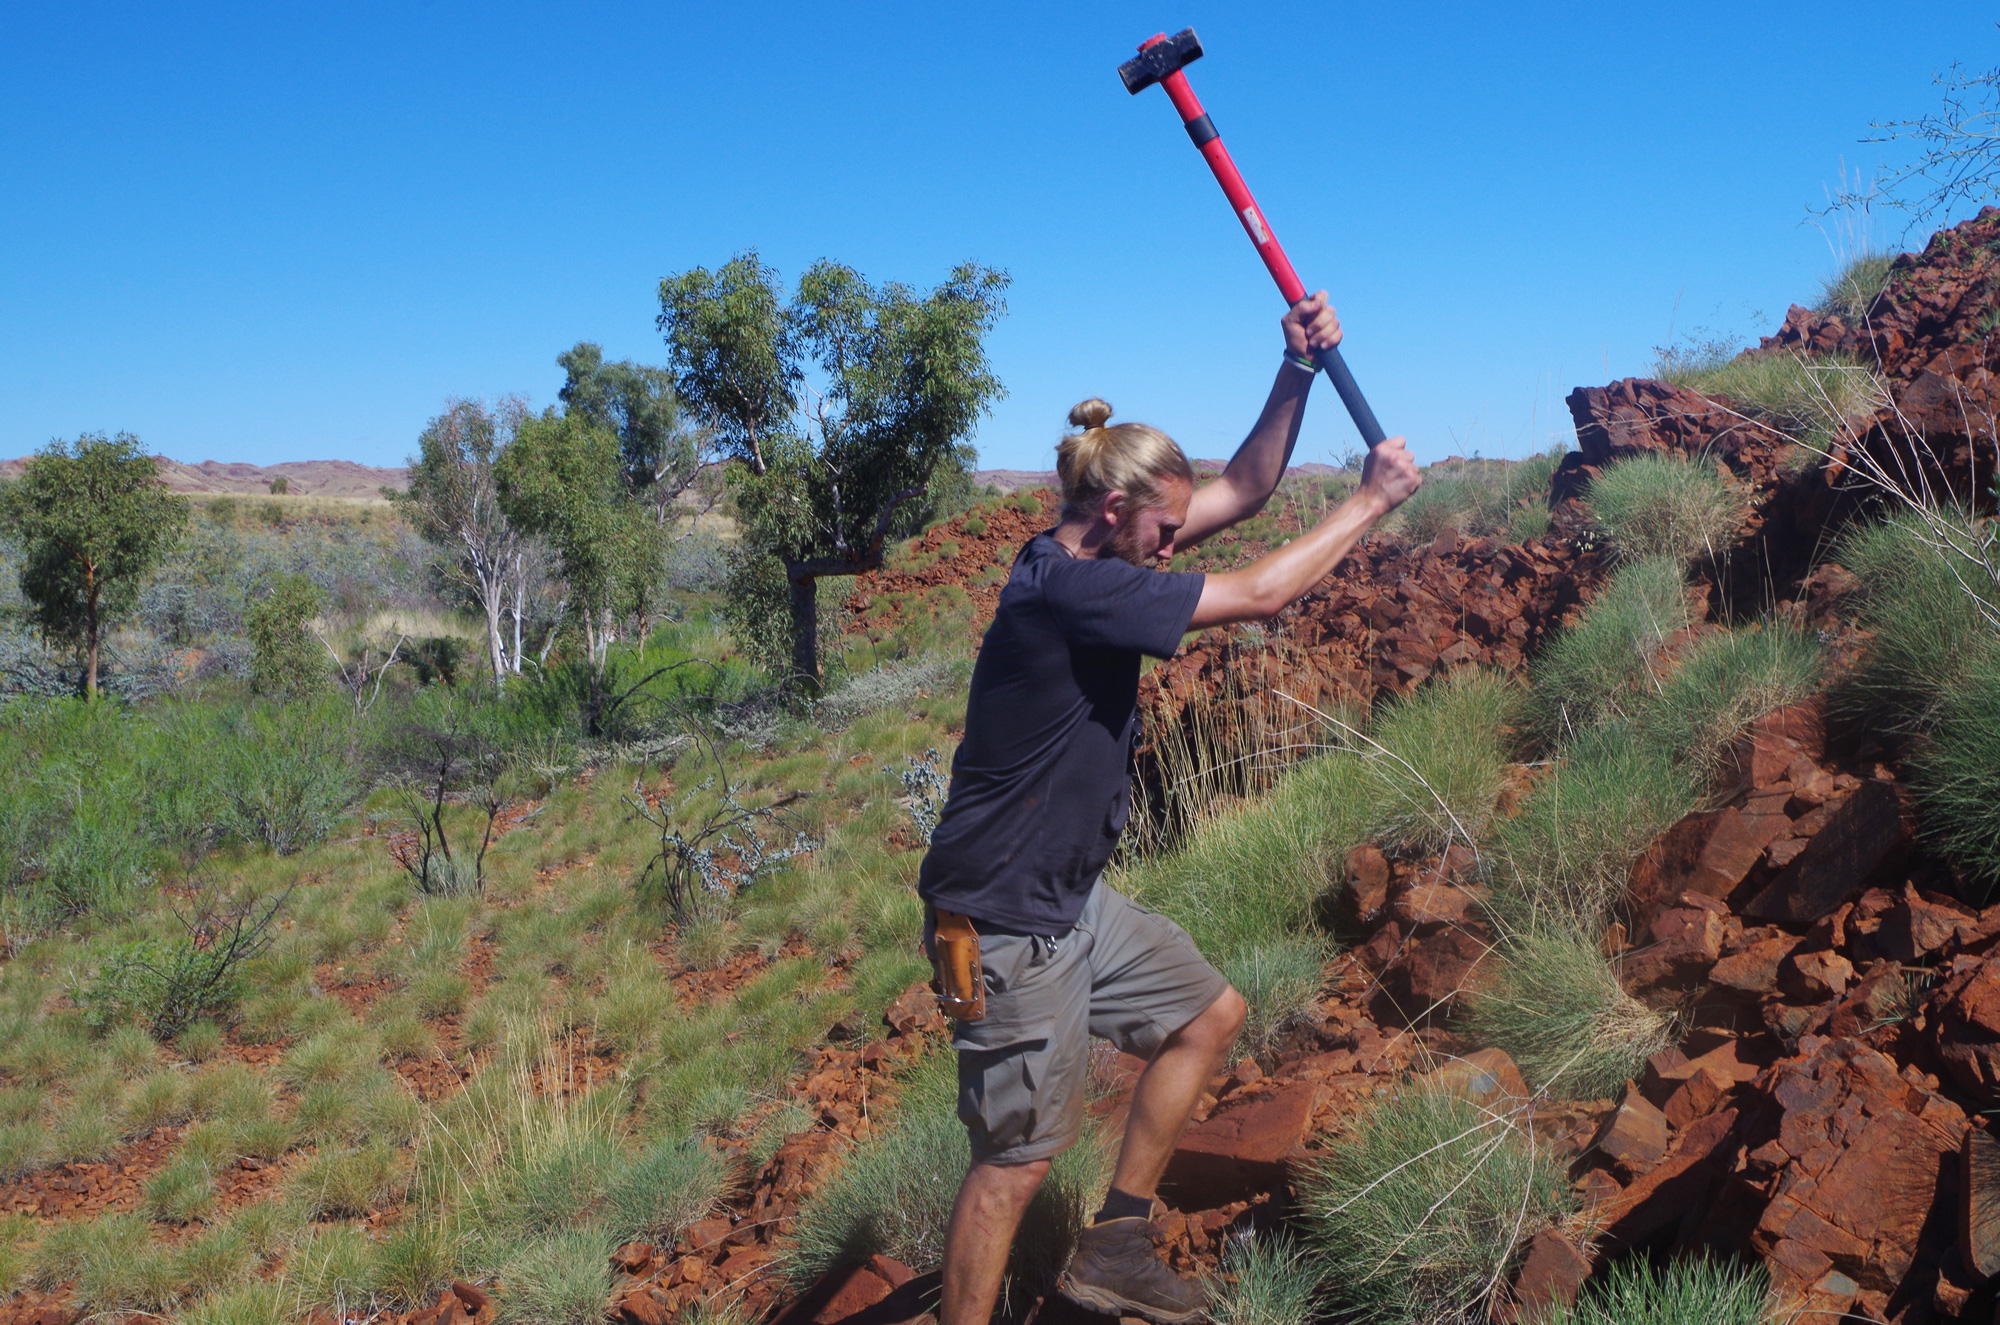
{"type": "Point", "coordinates": [1209, 143]}
{"type": "Point", "coordinates": [1202, 130]}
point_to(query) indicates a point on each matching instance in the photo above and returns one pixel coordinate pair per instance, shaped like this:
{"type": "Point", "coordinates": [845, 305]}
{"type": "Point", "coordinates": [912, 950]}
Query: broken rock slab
{"type": "Point", "coordinates": [1859, 840]}
{"type": "Point", "coordinates": [1241, 1149]}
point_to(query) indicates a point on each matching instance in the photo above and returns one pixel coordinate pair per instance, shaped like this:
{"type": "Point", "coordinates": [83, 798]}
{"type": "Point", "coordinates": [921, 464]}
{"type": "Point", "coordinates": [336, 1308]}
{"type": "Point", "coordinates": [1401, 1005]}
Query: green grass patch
{"type": "Point", "coordinates": [1686, 1292]}
{"type": "Point", "coordinates": [1553, 1002]}
{"type": "Point", "coordinates": [1266, 1280]}
{"type": "Point", "coordinates": [1602, 667]}
{"type": "Point", "coordinates": [1852, 290]}
{"type": "Point", "coordinates": [1423, 1210]}
{"type": "Point", "coordinates": [1681, 509]}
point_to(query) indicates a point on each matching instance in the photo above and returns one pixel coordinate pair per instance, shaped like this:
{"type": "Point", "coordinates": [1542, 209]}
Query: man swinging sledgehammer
{"type": "Point", "coordinates": [1034, 954]}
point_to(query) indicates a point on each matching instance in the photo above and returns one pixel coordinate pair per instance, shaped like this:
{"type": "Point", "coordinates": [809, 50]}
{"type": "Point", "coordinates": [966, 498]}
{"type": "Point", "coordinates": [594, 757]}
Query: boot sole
{"type": "Point", "coordinates": [1111, 1304]}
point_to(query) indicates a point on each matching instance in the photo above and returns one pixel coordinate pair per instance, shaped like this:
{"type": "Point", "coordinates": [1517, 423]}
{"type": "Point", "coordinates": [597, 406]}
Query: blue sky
{"type": "Point", "coordinates": [272, 233]}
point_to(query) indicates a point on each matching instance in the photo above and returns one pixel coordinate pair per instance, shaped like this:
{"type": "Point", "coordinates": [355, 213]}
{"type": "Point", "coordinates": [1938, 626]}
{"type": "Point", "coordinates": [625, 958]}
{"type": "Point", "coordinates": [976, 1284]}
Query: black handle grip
{"type": "Point", "coordinates": [1350, 395]}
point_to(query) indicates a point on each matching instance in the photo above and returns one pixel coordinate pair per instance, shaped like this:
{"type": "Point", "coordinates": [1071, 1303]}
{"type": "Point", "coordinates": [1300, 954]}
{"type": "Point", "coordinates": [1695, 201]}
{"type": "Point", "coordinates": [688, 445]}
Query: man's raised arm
{"type": "Point", "coordinates": [1263, 588]}
{"type": "Point", "coordinates": [1258, 466]}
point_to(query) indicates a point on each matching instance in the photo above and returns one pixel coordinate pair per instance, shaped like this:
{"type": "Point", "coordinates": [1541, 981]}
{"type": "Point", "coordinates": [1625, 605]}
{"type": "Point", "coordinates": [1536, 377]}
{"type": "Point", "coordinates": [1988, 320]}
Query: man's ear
{"type": "Point", "coordinates": [1111, 507]}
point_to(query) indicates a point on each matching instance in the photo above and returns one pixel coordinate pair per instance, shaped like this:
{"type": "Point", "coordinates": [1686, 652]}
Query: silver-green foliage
{"type": "Point", "coordinates": [562, 1279]}
{"type": "Point", "coordinates": [1278, 979]}
{"type": "Point", "coordinates": [1667, 506]}
{"type": "Point", "coordinates": [1266, 1280]}
{"type": "Point", "coordinates": [1421, 1212]}
{"type": "Point", "coordinates": [1957, 774]}
{"type": "Point", "coordinates": [1554, 1004]}
{"type": "Point", "coordinates": [1851, 290]}
{"type": "Point", "coordinates": [1603, 666]}
{"type": "Point", "coordinates": [1725, 682]}
{"type": "Point", "coordinates": [1687, 1292]}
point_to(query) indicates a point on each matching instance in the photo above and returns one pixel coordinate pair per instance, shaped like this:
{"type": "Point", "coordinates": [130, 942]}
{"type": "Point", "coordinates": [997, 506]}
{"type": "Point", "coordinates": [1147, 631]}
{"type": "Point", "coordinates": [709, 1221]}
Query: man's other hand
{"type": "Point", "coordinates": [1311, 324]}
{"type": "Point", "coordinates": [1389, 474]}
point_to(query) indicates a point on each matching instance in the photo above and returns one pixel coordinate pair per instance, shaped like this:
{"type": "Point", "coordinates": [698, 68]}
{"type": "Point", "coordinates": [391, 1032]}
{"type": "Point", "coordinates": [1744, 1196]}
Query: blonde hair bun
{"type": "Point", "coordinates": [1092, 413]}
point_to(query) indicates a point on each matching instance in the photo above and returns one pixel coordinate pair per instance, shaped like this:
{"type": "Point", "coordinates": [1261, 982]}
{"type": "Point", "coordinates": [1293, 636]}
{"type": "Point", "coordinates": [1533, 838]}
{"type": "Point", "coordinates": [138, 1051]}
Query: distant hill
{"type": "Point", "coordinates": [303, 478]}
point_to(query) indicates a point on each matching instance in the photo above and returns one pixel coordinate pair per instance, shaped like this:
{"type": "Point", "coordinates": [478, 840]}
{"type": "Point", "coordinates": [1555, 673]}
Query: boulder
{"type": "Point", "coordinates": [1859, 840]}
{"type": "Point", "coordinates": [1551, 1274]}
{"type": "Point", "coordinates": [1755, 969]}
{"type": "Point", "coordinates": [1710, 851]}
{"type": "Point", "coordinates": [1635, 1134]}
{"type": "Point", "coordinates": [1851, 1174]}
{"type": "Point", "coordinates": [1964, 1026]}
{"type": "Point", "coordinates": [1979, 1203]}
{"type": "Point", "coordinates": [1422, 984]}
{"type": "Point", "coordinates": [1241, 1149]}
{"type": "Point", "coordinates": [1487, 1077]}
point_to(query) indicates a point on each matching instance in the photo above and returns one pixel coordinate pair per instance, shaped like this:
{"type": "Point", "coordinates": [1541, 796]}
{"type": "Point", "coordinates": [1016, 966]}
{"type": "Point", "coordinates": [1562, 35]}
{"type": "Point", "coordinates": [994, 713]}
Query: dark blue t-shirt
{"type": "Point", "coordinates": [1040, 786]}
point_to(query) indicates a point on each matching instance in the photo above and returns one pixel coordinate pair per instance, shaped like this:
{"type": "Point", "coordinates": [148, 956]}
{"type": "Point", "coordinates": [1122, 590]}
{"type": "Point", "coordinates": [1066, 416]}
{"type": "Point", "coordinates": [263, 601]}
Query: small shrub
{"type": "Point", "coordinates": [973, 526]}
{"type": "Point", "coordinates": [1852, 290]}
{"type": "Point", "coordinates": [1666, 506]}
{"type": "Point", "coordinates": [1554, 1004]}
{"type": "Point", "coordinates": [343, 1183]}
{"type": "Point", "coordinates": [1602, 666]}
{"type": "Point", "coordinates": [287, 773]}
{"type": "Point", "coordinates": [673, 1183]}
{"type": "Point", "coordinates": [563, 1279]}
{"type": "Point", "coordinates": [404, 1037]}
{"type": "Point", "coordinates": [168, 983]}
{"type": "Point", "coordinates": [1686, 1292]}
{"type": "Point", "coordinates": [181, 1193]}
{"type": "Point", "coordinates": [631, 1011]}
{"type": "Point", "coordinates": [1280, 980]}
{"type": "Point", "coordinates": [1424, 1208]}
{"type": "Point", "coordinates": [1266, 1280]}
{"type": "Point", "coordinates": [218, 1259]}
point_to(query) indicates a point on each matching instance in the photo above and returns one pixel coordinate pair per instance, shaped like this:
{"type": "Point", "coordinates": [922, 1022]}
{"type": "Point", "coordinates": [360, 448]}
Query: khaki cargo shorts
{"type": "Point", "coordinates": [1124, 974]}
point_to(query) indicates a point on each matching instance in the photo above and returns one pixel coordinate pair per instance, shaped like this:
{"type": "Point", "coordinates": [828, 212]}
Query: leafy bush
{"type": "Point", "coordinates": [1686, 1292]}
{"type": "Point", "coordinates": [1602, 666]}
{"type": "Point", "coordinates": [287, 772]}
{"type": "Point", "coordinates": [1554, 1004]}
{"type": "Point", "coordinates": [1666, 506]}
{"type": "Point", "coordinates": [286, 659]}
{"type": "Point", "coordinates": [168, 984]}
{"type": "Point", "coordinates": [1422, 1211]}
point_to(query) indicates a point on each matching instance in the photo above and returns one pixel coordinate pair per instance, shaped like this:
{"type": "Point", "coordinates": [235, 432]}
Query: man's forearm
{"type": "Point", "coordinates": [1254, 472]}
{"type": "Point", "coordinates": [1261, 589]}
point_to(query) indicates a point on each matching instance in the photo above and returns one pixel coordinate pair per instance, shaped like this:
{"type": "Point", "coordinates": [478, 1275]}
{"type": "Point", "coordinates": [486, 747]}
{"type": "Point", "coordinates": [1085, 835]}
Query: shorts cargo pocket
{"type": "Point", "coordinates": [1003, 1068]}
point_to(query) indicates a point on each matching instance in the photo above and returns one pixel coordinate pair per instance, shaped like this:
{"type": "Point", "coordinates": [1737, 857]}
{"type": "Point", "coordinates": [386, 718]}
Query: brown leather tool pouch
{"type": "Point", "coordinates": [957, 980]}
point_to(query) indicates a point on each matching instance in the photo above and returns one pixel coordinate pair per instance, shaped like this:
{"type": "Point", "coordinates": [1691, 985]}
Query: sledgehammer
{"type": "Point", "coordinates": [1160, 60]}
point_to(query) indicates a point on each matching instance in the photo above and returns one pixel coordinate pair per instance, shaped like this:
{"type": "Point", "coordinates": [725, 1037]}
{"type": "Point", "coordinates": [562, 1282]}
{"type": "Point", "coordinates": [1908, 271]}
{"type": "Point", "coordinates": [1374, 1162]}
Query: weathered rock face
{"type": "Point", "coordinates": [1856, 1178]}
{"type": "Point", "coordinates": [1638, 416]}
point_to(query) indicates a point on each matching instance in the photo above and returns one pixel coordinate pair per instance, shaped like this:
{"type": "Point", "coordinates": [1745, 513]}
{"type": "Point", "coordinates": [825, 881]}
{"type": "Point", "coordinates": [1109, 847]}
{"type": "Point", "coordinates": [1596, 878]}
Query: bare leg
{"type": "Point", "coordinates": [1168, 1089]}
{"type": "Point", "coordinates": [984, 1219]}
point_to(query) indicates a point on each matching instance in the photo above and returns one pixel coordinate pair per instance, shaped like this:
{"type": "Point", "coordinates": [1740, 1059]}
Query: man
{"type": "Point", "coordinates": [1039, 794]}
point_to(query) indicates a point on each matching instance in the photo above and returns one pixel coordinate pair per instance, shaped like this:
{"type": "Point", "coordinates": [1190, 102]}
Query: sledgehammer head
{"type": "Point", "coordinates": [1158, 58]}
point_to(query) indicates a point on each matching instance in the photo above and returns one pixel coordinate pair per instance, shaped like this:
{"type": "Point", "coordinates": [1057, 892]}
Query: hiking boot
{"type": "Point", "coordinates": [1116, 1271]}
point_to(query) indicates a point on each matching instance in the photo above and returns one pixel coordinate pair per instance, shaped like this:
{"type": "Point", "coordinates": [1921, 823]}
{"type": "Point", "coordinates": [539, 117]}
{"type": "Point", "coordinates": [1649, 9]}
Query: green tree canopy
{"type": "Point", "coordinates": [93, 518]}
{"type": "Point", "coordinates": [662, 455]}
{"type": "Point", "coordinates": [562, 480]}
{"type": "Point", "coordinates": [843, 405]}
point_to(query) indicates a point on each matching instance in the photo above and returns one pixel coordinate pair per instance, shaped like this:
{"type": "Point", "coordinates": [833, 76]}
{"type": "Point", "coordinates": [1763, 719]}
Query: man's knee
{"type": "Point", "coordinates": [1007, 1182]}
{"type": "Point", "coordinates": [1215, 1027]}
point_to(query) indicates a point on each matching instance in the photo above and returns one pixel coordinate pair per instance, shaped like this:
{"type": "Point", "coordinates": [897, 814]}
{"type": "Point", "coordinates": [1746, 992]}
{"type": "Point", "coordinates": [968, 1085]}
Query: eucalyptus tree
{"type": "Point", "coordinates": [92, 517]}
{"type": "Point", "coordinates": [839, 407]}
{"type": "Point", "coordinates": [454, 503]}
{"type": "Point", "coordinates": [662, 454]}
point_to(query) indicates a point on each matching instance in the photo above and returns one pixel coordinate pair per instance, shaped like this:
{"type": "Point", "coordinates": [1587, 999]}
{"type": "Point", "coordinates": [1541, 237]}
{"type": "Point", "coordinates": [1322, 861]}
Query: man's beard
{"type": "Point", "coordinates": [1124, 545]}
